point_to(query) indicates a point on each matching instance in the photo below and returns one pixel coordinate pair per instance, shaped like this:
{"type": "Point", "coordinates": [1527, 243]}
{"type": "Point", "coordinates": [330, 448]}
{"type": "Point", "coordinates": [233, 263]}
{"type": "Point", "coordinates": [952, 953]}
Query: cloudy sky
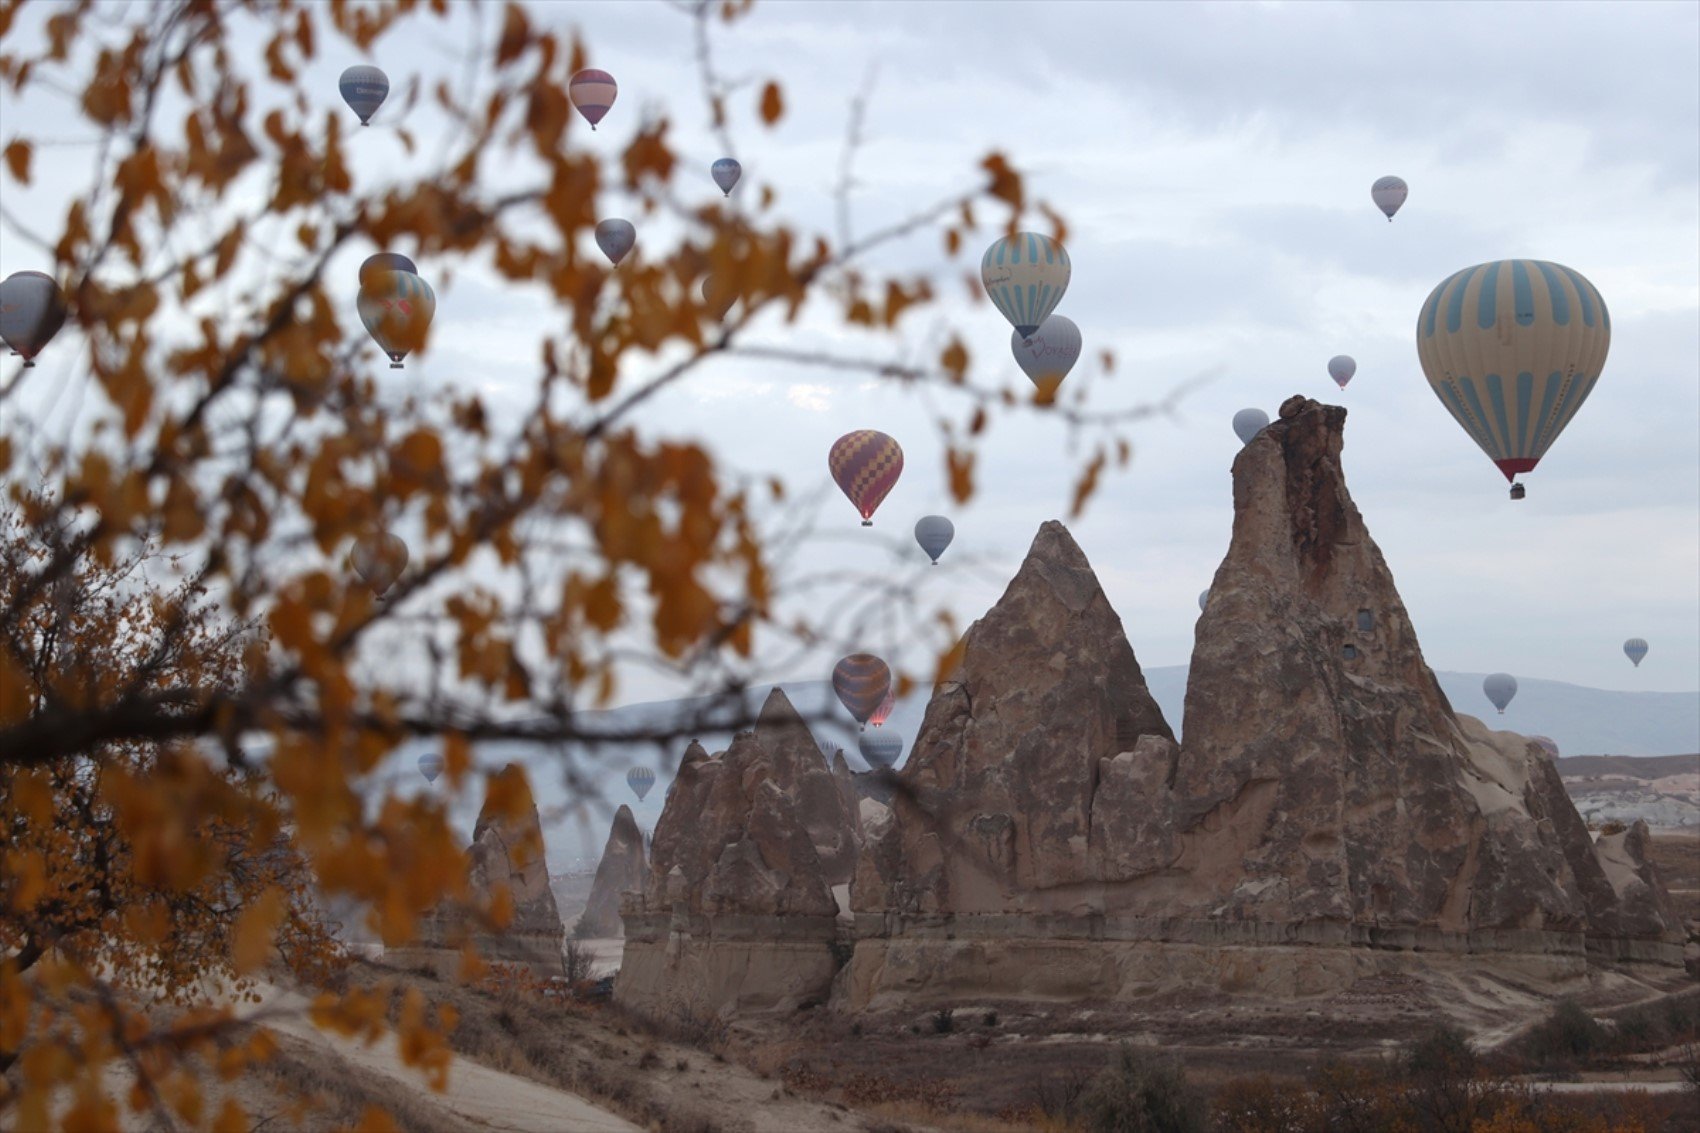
{"type": "Point", "coordinates": [1214, 164]}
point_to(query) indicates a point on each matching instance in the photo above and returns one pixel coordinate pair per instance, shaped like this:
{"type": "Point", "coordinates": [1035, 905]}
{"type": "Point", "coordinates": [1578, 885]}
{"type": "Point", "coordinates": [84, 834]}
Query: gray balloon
{"type": "Point", "coordinates": [880, 748]}
{"type": "Point", "coordinates": [934, 533]}
{"type": "Point", "coordinates": [1203, 600]}
{"type": "Point", "coordinates": [1500, 688]}
{"type": "Point", "coordinates": [431, 765]}
{"type": "Point", "coordinates": [1635, 649]}
{"type": "Point", "coordinates": [615, 237]}
{"type": "Point", "coordinates": [1250, 422]}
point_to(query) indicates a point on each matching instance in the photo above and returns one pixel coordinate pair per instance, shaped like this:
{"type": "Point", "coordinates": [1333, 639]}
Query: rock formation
{"type": "Point", "coordinates": [621, 870]}
{"type": "Point", "coordinates": [737, 911]}
{"type": "Point", "coordinates": [504, 863]}
{"type": "Point", "coordinates": [1048, 836]}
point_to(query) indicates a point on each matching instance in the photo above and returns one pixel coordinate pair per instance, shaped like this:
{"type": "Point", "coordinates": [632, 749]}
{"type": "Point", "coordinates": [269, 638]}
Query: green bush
{"type": "Point", "coordinates": [1567, 1033]}
{"type": "Point", "coordinates": [1139, 1093]}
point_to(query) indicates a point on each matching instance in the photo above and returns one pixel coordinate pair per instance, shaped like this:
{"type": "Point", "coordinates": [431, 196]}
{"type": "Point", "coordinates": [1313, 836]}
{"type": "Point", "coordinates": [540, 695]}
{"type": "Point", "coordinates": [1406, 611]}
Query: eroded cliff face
{"type": "Point", "coordinates": [1326, 792]}
{"type": "Point", "coordinates": [995, 807]}
{"type": "Point", "coordinates": [622, 870]}
{"type": "Point", "coordinates": [737, 911]}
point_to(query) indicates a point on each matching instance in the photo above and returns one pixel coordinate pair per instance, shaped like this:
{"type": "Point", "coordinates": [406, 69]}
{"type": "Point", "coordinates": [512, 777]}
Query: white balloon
{"type": "Point", "coordinates": [1051, 353]}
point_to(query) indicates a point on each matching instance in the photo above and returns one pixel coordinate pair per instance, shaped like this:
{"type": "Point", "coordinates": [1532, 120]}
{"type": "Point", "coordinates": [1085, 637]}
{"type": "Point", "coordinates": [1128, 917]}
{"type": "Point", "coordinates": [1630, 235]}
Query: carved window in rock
{"type": "Point", "coordinates": [1350, 652]}
{"type": "Point", "coordinates": [1366, 621]}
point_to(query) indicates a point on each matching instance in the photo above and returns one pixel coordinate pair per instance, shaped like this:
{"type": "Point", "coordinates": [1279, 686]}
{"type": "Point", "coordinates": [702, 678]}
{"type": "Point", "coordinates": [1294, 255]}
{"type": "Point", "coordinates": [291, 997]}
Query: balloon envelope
{"type": "Point", "coordinates": [1389, 193]}
{"type": "Point", "coordinates": [1203, 600]}
{"type": "Point", "coordinates": [640, 780]}
{"type": "Point", "coordinates": [1500, 688]}
{"type": "Point", "coordinates": [378, 560]}
{"type": "Point", "coordinates": [364, 88]}
{"type": "Point", "coordinates": [371, 272]}
{"type": "Point", "coordinates": [31, 312]}
{"type": "Point", "coordinates": [883, 713]}
{"type": "Point", "coordinates": [1635, 649]}
{"type": "Point", "coordinates": [431, 766]}
{"type": "Point", "coordinates": [866, 465]}
{"type": "Point", "coordinates": [1512, 349]}
{"type": "Point", "coordinates": [861, 681]}
{"type": "Point", "coordinates": [1341, 367]}
{"type": "Point", "coordinates": [397, 307]}
{"type": "Point", "coordinates": [615, 237]}
{"type": "Point", "coordinates": [1546, 744]}
{"type": "Point", "coordinates": [1250, 422]}
{"type": "Point", "coordinates": [726, 172]}
{"type": "Point", "coordinates": [593, 92]}
{"type": "Point", "coordinates": [934, 533]}
{"type": "Point", "coordinates": [1025, 276]}
{"type": "Point", "coordinates": [882, 748]}
{"type": "Point", "coordinates": [1050, 354]}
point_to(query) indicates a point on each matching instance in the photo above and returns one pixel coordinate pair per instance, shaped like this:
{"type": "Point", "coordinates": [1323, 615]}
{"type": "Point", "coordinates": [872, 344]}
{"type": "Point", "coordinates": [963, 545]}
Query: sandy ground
{"type": "Point", "coordinates": [477, 1095]}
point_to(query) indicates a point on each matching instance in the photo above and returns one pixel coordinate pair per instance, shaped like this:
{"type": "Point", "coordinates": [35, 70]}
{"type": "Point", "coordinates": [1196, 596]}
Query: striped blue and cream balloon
{"type": "Point", "coordinates": [1513, 348]}
{"type": "Point", "coordinates": [1025, 276]}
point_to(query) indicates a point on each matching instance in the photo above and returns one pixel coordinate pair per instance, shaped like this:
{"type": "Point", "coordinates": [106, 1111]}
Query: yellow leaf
{"type": "Point", "coordinates": [772, 103]}
{"type": "Point", "coordinates": [251, 940]}
{"type": "Point", "coordinates": [18, 161]}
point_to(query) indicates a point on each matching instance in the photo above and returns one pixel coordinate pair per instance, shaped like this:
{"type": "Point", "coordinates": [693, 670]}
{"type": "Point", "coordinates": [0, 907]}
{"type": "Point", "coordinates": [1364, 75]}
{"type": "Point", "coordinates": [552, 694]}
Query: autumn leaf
{"type": "Point", "coordinates": [18, 161]}
{"type": "Point", "coordinates": [772, 104]}
{"type": "Point", "coordinates": [256, 925]}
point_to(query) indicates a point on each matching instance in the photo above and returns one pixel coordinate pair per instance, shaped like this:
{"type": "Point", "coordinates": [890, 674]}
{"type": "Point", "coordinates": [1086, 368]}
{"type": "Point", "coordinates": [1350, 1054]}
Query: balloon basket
{"type": "Point", "coordinates": [867, 523]}
{"type": "Point", "coordinates": [396, 366]}
{"type": "Point", "coordinates": [1518, 491]}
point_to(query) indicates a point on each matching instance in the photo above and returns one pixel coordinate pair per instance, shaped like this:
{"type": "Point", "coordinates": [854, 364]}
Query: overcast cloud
{"type": "Point", "coordinates": [1214, 163]}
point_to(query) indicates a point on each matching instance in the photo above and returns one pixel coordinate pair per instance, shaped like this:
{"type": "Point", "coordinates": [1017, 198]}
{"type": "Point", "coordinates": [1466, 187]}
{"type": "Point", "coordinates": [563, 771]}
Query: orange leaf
{"type": "Point", "coordinates": [251, 940]}
{"type": "Point", "coordinates": [18, 161]}
{"type": "Point", "coordinates": [772, 103]}
{"type": "Point", "coordinates": [1087, 485]}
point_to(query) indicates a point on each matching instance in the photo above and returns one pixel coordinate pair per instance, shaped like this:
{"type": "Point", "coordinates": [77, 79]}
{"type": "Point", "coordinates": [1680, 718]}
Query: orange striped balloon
{"type": "Point", "coordinates": [866, 465]}
{"type": "Point", "coordinates": [861, 681]}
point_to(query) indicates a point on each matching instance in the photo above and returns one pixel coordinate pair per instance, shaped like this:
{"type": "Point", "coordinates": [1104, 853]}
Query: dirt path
{"type": "Point", "coordinates": [477, 1095]}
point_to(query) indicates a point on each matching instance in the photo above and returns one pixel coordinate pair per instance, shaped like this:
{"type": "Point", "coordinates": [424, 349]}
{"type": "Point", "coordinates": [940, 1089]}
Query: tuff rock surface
{"type": "Point", "coordinates": [621, 870]}
{"type": "Point", "coordinates": [762, 829]}
{"type": "Point", "coordinates": [1326, 792]}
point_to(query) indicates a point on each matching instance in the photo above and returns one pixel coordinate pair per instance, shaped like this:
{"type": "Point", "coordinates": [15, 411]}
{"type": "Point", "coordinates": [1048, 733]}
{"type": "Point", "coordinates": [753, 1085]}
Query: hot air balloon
{"type": "Point", "coordinates": [1203, 600]}
{"type": "Point", "coordinates": [1513, 348]}
{"type": "Point", "coordinates": [883, 713]}
{"type": "Point", "coordinates": [1341, 367]}
{"type": "Point", "coordinates": [431, 765]}
{"type": "Point", "coordinates": [378, 560]}
{"type": "Point", "coordinates": [640, 780]}
{"type": "Point", "coordinates": [1500, 688]}
{"type": "Point", "coordinates": [364, 88]}
{"type": "Point", "coordinates": [397, 307]}
{"type": "Point", "coordinates": [1546, 744]}
{"type": "Point", "coordinates": [718, 298]}
{"type": "Point", "coordinates": [1250, 422]}
{"type": "Point", "coordinates": [1389, 193]}
{"type": "Point", "coordinates": [1025, 276]}
{"type": "Point", "coordinates": [882, 748]}
{"type": "Point", "coordinates": [934, 533]}
{"type": "Point", "coordinates": [372, 271]}
{"type": "Point", "coordinates": [593, 92]}
{"type": "Point", "coordinates": [866, 465]}
{"type": "Point", "coordinates": [861, 681]}
{"type": "Point", "coordinates": [1050, 354]}
{"type": "Point", "coordinates": [615, 237]}
{"type": "Point", "coordinates": [1635, 649]}
{"type": "Point", "coordinates": [31, 312]}
{"type": "Point", "coordinates": [726, 172]}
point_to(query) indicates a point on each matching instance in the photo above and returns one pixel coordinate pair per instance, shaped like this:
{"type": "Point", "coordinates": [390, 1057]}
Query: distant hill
{"type": "Point", "coordinates": [1585, 721]}
{"type": "Point", "coordinates": [1633, 766]}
